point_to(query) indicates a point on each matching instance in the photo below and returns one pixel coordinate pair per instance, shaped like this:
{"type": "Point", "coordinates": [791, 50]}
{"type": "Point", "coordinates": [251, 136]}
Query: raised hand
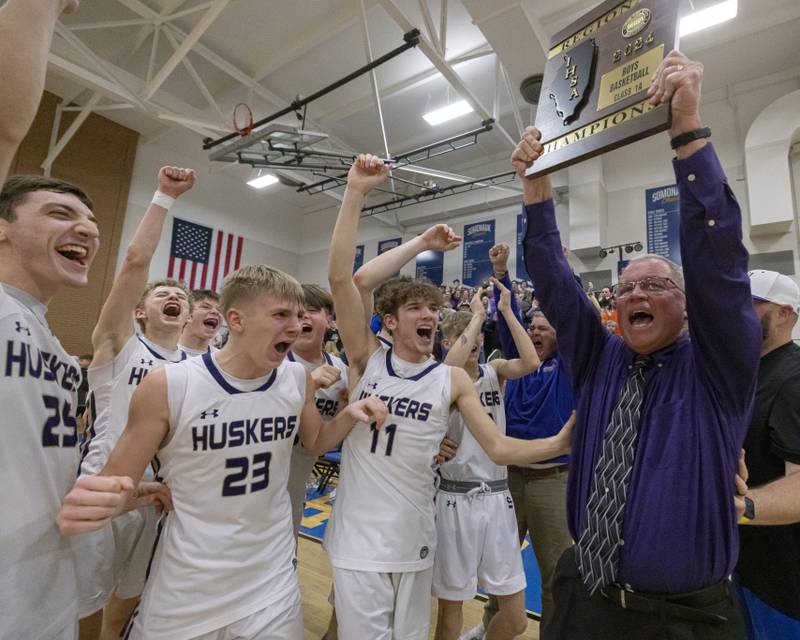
{"type": "Point", "coordinates": [440, 237]}
{"type": "Point", "coordinates": [677, 81]}
{"type": "Point", "coordinates": [174, 181]}
{"type": "Point", "coordinates": [527, 151]}
{"type": "Point", "coordinates": [498, 256]}
{"type": "Point", "coordinates": [325, 375]}
{"type": "Point", "coordinates": [93, 501]}
{"type": "Point", "coordinates": [476, 305]}
{"type": "Point", "coordinates": [504, 305]}
{"type": "Point", "coordinates": [366, 173]}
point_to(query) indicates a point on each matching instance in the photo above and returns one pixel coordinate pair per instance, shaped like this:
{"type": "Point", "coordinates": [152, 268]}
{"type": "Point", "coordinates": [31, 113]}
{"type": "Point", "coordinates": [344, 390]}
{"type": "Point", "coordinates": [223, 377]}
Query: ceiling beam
{"type": "Point", "coordinates": [197, 79]}
{"type": "Point", "coordinates": [444, 68]}
{"type": "Point", "coordinates": [47, 163]}
{"type": "Point", "coordinates": [358, 104]}
{"type": "Point", "coordinates": [191, 40]}
{"type": "Point", "coordinates": [309, 41]}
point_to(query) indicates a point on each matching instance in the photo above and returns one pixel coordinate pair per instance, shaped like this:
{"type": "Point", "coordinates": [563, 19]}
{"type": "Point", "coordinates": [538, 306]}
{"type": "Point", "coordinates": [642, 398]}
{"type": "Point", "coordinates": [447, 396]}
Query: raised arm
{"type": "Point", "coordinates": [115, 324]}
{"type": "Point", "coordinates": [318, 437]}
{"type": "Point", "coordinates": [498, 256]}
{"type": "Point", "coordinates": [439, 237]}
{"type": "Point", "coordinates": [458, 353]}
{"type": "Point", "coordinates": [527, 361]}
{"type": "Point", "coordinates": [581, 335]}
{"type": "Point", "coordinates": [367, 172]}
{"type": "Point", "coordinates": [500, 448]}
{"type": "Point", "coordinates": [26, 32]}
{"type": "Point", "coordinates": [94, 500]}
{"type": "Point", "coordinates": [725, 332]}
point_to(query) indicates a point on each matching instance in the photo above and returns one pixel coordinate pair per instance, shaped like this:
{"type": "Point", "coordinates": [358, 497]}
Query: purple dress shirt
{"type": "Point", "coordinates": [680, 531]}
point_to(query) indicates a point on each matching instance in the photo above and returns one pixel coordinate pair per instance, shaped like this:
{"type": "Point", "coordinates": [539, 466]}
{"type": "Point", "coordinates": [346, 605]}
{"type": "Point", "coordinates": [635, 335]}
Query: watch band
{"type": "Point", "coordinates": [690, 136]}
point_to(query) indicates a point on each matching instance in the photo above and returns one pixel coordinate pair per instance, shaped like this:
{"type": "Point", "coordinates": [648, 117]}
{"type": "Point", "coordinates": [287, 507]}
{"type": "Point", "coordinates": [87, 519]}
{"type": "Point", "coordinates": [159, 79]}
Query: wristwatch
{"type": "Point", "coordinates": [749, 509]}
{"type": "Point", "coordinates": [690, 136]}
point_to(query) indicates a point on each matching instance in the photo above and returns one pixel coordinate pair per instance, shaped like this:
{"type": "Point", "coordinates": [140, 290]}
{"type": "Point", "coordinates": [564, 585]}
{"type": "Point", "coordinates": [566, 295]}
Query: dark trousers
{"type": "Point", "coordinates": [579, 616]}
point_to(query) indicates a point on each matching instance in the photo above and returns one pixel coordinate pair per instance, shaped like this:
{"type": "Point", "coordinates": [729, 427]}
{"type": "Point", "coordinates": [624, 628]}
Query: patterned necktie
{"type": "Point", "coordinates": [597, 551]}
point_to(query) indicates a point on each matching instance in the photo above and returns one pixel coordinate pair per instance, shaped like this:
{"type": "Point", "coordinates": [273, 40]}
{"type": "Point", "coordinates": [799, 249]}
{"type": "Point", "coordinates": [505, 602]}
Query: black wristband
{"type": "Point", "coordinates": [690, 136]}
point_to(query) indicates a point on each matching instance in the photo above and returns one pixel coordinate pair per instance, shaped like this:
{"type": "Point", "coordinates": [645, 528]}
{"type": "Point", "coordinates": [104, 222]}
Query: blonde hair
{"type": "Point", "coordinates": [454, 324]}
{"type": "Point", "coordinates": [248, 282]}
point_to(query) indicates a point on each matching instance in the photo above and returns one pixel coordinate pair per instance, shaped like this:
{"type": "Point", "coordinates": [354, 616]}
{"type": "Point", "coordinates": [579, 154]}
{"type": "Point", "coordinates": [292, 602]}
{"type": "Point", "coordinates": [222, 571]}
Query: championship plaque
{"type": "Point", "coordinates": [594, 91]}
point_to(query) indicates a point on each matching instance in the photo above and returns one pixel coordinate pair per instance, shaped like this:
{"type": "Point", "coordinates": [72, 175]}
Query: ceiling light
{"type": "Point", "coordinates": [448, 113]}
{"type": "Point", "coordinates": [705, 18]}
{"type": "Point", "coordinates": [261, 181]}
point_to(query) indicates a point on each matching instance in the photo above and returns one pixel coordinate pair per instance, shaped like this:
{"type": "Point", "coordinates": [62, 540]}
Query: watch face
{"type": "Point", "coordinates": [749, 509]}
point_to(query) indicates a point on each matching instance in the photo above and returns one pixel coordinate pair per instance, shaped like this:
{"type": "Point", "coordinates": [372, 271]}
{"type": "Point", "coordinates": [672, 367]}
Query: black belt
{"type": "Point", "coordinates": [686, 606]}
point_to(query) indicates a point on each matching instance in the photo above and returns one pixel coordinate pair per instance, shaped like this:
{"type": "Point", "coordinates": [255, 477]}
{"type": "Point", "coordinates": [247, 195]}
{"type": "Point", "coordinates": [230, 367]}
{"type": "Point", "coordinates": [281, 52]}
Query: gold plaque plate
{"type": "Point", "coordinates": [629, 78]}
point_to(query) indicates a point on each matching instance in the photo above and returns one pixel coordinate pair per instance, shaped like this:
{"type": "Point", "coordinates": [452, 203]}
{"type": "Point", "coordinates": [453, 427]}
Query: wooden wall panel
{"type": "Point", "coordinates": [100, 160]}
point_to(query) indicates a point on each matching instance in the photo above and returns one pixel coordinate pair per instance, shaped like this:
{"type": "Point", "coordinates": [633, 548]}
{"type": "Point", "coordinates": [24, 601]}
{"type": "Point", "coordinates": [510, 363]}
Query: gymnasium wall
{"type": "Point", "coordinates": [100, 159]}
{"type": "Point", "coordinates": [218, 200]}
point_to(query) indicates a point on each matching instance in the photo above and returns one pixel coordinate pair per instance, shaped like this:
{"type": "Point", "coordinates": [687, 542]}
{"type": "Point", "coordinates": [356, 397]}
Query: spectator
{"type": "Point", "coordinates": [768, 572]}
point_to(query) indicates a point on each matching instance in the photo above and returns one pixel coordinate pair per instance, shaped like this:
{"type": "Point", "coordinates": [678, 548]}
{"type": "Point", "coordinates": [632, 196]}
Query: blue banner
{"type": "Point", "coordinates": [387, 245]}
{"type": "Point", "coordinates": [522, 272]}
{"type": "Point", "coordinates": [663, 222]}
{"type": "Point", "coordinates": [430, 265]}
{"type": "Point", "coordinates": [359, 257]}
{"type": "Point", "coordinates": [476, 266]}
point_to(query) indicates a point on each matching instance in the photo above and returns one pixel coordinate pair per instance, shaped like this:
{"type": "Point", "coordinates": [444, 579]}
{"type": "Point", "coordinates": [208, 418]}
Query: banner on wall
{"type": "Point", "coordinates": [476, 266]}
{"type": "Point", "coordinates": [662, 209]}
{"type": "Point", "coordinates": [430, 265]}
{"type": "Point", "coordinates": [387, 245]}
{"type": "Point", "coordinates": [359, 257]}
{"type": "Point", "coordinates": [522, 272]}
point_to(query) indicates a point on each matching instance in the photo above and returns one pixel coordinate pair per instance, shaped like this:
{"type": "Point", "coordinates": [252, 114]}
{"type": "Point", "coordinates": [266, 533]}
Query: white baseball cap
{"type": "Point", "coordinates": [772, 286]}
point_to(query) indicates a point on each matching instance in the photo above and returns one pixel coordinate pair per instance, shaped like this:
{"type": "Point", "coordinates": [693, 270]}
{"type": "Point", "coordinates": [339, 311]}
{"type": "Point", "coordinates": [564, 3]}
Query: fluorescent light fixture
{"type": "Point", "coordinates": [698, 20]}
{"type": "Point", "coordinates": [260, 181]}
{"type": "Point", "coordinates": [448, 113]}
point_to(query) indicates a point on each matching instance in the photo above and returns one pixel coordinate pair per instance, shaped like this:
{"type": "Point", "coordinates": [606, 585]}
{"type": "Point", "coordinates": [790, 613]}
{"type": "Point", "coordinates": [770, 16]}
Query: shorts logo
{"type": "Point", "coordinates": [294, 564]}
{"type": "Point", "coordinates": [509, 502]}
{"type": "Point", "coordinates": [451, 502]}
{"type": "Point", "coordinates": [423, 553]}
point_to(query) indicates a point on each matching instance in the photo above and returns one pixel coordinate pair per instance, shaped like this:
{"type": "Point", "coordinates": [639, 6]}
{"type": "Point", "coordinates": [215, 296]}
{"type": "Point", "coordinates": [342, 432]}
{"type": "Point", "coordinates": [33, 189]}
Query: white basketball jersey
{"type": "Point", "coordinates": [111, 388]}
{"type": "Point", "coordinates": [384, 514]}
{"type": "Point", "coordinates": [329, 401]}
{"type": "Point", "coordinates": [227, 549]}
{"type": "Point", "coordinates": [192, 353]}
{"type": "Point", "coordinates": [471, 462]}
{"type": "Point", "coordinates": [38, 465]}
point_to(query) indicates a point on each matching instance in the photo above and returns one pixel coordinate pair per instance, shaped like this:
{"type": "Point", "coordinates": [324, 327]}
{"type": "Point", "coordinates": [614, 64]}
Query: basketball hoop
{"type": "Point", "coordinates": [243, 112]}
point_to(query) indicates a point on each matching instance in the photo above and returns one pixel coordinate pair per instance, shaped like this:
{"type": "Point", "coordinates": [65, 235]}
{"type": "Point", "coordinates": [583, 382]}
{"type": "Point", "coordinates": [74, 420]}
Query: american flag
{"type": "Point", "coordinates": [201, 256]}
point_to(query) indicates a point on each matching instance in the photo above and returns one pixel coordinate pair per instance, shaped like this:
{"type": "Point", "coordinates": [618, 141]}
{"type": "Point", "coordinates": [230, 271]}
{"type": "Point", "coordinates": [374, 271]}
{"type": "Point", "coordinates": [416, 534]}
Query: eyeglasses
{"type": "Point", "coordinates": [653, 285]}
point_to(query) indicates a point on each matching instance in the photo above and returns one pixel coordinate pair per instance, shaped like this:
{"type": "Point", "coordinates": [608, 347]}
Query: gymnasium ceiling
{"type": "Point", "coordinates": [174, 69]}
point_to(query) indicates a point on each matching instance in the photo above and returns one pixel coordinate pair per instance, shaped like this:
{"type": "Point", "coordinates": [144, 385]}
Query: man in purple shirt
{"type": "Point", "coordinates": [661, 415]}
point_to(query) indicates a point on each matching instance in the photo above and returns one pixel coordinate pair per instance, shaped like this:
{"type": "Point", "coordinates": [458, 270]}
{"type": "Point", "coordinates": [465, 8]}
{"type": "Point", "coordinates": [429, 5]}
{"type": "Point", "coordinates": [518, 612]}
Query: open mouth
{"type": "Point", "coordinates": [425, 332]}
{"type": "Point", "coordinates": [306, 329]}
{"type": "Point", "coordinates": [282, 347]}
{"type": "Point", "coordinates": [74, 252]}
{"type": "Point", "coordinates": [640, 318]}
{"type": "Point", "coordinates": [171, 309]}
{"type": "Point", "coordinates": [211, 323]}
